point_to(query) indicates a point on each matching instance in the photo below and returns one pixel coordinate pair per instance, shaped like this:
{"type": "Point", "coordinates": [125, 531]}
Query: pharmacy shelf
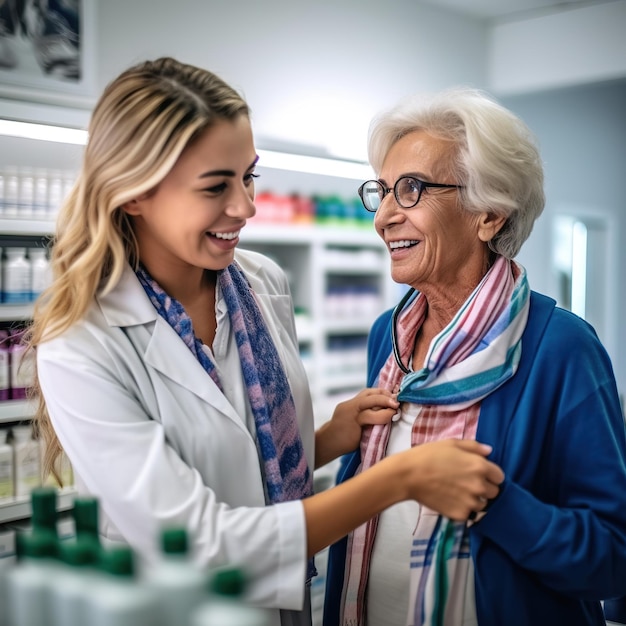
{"type": "Point", "coordinates": [16, 410]}
{"type": "Point", "coordinates": [15, 312]}
{"type": "Point", "coordinates": [27, 226]}
{"type": "Point", "coordinates": [20, 508]}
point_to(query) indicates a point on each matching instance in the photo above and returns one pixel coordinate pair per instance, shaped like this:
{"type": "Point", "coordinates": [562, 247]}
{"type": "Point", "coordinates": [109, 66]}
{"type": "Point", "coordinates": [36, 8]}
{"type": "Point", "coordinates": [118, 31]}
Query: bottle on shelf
{"type": "Point", "coordinates": [5, 567]}
{"type": "Point", "coordinates": [5, 365]}
{"type": "Point", "coordinates": [74, 582]}
{"type": "Point", "coordinates": [27, 463]}
{"type": "Point", "coordinates": [11, 192]}
{"type": "Point", "coordinates": [179, 584]}
{"type": "Point", "coordinates": [40, 271]}
{"type": "Point", "coordinates": [44, 504]}
{"type": "Point", "coordinates": [86, 515]}
{"type": "Point", "coordinates": [55, 193]}
{"type": "Point", "coordinates": [22, 365]}
{"type": "Point", "coordinates": [7, 477]}
{"type": "Point", "coordinates": [118, 597]}
{"type": "Point", "coordinates": [26, 193]}
{"type": "Point", "coordinates": [40, 195]}
{"type": "Point", "coordinates": [29, 581]}
{"type": "Point", "coordinates": [16, 276]}
{"type": "Point", "coordinates": [225, 606]}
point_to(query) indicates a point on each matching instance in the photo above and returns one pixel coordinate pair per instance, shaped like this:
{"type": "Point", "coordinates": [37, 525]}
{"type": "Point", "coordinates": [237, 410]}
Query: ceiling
{"type": "Point", "coordinates": [509, 9]}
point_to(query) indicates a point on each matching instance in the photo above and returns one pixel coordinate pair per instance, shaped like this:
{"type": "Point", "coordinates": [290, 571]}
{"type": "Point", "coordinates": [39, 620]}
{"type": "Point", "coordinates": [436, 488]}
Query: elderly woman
{"type": "Point", "coordinates": [473, 353]}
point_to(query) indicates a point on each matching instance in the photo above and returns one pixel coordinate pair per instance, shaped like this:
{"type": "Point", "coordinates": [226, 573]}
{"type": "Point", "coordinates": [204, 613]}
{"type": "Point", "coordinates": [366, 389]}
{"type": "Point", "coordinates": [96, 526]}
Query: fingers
{"type": "Point", "coordinates": [494, 473]}
{"type": "Point", "coordinates": [491, 491]}
{"type": "Point", "coordinates": [376, 416]}
{"type": "Point", "coordinates": [470, 445]}
{"type": "Point", "coordinates": [458, 477]}
{"type": "Point", "coordinates": [372, 398]}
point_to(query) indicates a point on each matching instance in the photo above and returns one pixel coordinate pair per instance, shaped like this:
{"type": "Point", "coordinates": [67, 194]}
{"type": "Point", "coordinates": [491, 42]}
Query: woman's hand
{"type": "Point", "coordinates": [342, 433]}
{"type": "Point", "coordinates": [451, 476]}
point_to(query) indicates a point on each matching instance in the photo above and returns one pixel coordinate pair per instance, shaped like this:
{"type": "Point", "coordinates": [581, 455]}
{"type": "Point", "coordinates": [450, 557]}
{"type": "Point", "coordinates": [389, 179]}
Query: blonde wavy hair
{"type": "Point", "coordinates": [143, 121]}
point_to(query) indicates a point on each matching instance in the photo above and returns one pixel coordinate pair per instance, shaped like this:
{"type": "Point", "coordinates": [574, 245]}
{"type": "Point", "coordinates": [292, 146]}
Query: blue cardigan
{"type": "Point", "coordinates": [554, 542]}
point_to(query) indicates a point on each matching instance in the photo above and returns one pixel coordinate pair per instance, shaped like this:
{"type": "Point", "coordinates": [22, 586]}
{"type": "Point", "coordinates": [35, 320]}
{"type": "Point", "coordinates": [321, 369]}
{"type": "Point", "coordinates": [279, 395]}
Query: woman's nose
{"type": "Point", "coordinates": [388, 211]}
{"type": "Point", "coordinates": [242, 204]}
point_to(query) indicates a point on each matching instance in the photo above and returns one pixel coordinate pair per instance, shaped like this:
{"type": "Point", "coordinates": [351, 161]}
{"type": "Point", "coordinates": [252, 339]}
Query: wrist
{"type": "Point", "coordinates": [399, 476]}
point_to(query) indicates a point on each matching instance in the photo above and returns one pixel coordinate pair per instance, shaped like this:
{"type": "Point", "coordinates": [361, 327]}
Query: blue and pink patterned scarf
{"type": "Point", "coordinates": [287, 474]}
{"type": "Point", "coordinates": [476, 353]}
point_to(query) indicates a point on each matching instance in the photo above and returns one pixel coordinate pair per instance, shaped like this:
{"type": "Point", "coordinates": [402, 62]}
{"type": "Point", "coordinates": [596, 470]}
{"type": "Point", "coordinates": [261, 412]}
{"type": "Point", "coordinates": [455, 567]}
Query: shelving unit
{"type": "Point", "coordinates": [20, 508]}
{"type": "Point", "coordinates": [320, 262]}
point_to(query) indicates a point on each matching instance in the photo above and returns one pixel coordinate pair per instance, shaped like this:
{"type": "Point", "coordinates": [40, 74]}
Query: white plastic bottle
{"type": "Point", "coordinates": [118, 598]}
{"type": "Point", "coordinates": [180, 585]}
{"type": "Point", "coordinates": [40, 271]}
{"type": "Point", "coordinates": [225, 607]}
{"type": "Point", "coordinates": [27, 461]}
{"type": "Point", "coordinates": [29, 582]}
{"type": "Point", "coordinates": [16, 277]}
{"type": "Point", "coordinates": [11, 192]}
{"type": "Point", "coordinates": [5, 567]}
{"type": "Point", "coordinates": [55, 193]}
{"type": "Point", "coordinates": [7, 477]}
{"type": "Point", "coordinates": [26, 193]}
{"type": "Point", "coordinates": [74, 582]}
{"type": "Point", "coordinates": [40, 195]}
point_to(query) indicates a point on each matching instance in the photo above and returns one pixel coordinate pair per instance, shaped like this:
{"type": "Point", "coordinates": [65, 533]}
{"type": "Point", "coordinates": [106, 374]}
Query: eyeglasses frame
{"type": "Point", "coordinates": [386, 190]}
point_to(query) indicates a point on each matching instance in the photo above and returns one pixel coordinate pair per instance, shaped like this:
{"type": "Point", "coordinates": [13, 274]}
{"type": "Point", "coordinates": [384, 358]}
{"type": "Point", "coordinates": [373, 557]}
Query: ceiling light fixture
{"type": "Point", "coordinates": [354, 170]}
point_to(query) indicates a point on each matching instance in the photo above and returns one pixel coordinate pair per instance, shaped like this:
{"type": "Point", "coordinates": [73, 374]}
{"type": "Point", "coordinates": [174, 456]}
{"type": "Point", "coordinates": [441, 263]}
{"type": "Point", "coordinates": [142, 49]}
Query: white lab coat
{"type": "Point", "coordinates": [150, 434]}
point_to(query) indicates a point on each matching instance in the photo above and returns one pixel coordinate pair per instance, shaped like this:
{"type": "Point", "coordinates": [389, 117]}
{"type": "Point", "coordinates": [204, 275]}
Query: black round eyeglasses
{"type": "Point", "coordinates": [407, 191]}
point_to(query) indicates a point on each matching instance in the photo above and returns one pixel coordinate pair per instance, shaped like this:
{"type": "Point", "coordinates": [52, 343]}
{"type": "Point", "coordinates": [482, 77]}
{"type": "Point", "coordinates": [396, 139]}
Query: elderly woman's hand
{"type": "Point", "coordinates": [342, 433]}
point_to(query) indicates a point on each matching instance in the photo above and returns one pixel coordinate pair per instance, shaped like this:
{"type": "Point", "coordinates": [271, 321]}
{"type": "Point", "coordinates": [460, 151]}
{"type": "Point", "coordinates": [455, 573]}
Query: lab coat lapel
{"type": "Point", "coordinates": [128, 306]}
{"type": "Point", "coordinates": [169, 355]}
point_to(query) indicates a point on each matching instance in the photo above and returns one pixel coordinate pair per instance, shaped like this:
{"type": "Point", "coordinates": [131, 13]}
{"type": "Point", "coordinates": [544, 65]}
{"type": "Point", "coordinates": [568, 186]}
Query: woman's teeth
{"type": "Point", "coordinates": [226, 235]}
{"type": "Point", "coordinates": [405, 243]}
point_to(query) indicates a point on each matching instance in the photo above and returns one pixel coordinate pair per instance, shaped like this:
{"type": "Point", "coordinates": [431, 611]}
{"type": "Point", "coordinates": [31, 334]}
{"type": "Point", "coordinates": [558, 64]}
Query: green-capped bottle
{"type": "Point", "coordinates": [119, 598]}
{"type": "Point", "coordinates": [226, 604]}
{"type": "Point", "coordinates": [29, 582]}
{"type": "Point", "coordinates": [74, 583]}
{"type": "Point", "coordinates": [180, 585]}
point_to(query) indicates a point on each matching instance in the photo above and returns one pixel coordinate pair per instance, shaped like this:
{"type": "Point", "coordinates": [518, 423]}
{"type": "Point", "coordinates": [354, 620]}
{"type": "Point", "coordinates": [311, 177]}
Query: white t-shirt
{"type": "Point", "coordinates": [388, 588]}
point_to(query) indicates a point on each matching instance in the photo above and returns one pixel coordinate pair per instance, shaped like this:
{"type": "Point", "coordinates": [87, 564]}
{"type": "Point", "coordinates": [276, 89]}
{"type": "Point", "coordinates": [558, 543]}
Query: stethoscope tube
{"type": "Point", "coordinates": [394, 333]}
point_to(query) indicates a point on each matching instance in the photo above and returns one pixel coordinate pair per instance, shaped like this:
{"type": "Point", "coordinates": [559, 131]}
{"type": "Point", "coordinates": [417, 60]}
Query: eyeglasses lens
{"type": "Point", "coordinates": [408, 191]}
{"type": "Point", "coordinates": [372, 195]}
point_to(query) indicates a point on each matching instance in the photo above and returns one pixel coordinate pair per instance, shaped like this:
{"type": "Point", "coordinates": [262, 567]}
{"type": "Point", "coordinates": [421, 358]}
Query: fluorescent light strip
{"type": "Point", "coordinates": [43, 132]}
{"type": "Point", "coordinates": [353, 170]}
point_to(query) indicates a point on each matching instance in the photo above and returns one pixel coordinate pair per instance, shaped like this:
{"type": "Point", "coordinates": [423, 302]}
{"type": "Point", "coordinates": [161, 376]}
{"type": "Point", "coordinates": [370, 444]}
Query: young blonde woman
{"type": "Point", "coordinates": [167, 361]}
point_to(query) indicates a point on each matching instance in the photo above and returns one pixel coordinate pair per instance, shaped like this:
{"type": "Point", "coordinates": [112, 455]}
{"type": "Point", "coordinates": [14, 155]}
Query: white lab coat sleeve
{"type": "Point", "coordinates": [122, 456]}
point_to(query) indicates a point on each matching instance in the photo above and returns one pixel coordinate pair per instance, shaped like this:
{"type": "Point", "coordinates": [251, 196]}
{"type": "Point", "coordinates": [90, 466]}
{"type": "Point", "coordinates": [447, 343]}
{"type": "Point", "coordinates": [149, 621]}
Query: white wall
{"type": "Point", "coordinates": [571, 47]}
{"type": "Point", "coordinates": [314, 73]}
{"type": "Point", "coordinates": [582, 132]}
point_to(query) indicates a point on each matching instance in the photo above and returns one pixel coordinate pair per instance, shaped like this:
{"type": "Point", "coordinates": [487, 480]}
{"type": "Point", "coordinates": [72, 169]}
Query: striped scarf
{"type": "Point", "coordinates": [287, 474]}
{"type": "Point", "coordinates": [476, 353]}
